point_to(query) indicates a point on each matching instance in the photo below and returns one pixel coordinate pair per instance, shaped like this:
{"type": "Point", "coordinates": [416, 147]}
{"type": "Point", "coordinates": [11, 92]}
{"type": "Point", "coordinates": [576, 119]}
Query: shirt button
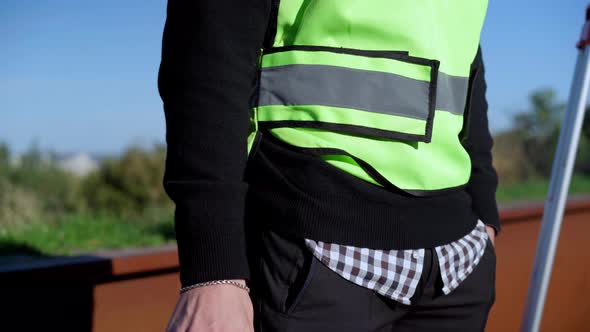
{"type": "Point", "coordinates": [415, 254]}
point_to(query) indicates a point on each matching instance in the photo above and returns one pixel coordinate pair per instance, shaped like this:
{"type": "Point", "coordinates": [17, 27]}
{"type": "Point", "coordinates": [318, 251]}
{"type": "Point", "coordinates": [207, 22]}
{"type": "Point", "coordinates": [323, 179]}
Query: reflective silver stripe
{"type": "Point", "coordinates": [370, 91]}
{"type": "Point", "coordinates": [451, 93]}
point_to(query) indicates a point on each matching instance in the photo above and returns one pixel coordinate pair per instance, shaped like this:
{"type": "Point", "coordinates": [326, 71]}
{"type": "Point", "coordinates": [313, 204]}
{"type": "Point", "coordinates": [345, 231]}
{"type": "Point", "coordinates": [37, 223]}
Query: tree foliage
{"type": "Point", "coordinates": [527, 150]}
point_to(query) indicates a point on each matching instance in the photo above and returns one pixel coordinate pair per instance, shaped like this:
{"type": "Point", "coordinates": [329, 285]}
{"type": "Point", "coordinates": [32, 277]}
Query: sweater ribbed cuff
{"type": "Point", "coordinates": [484, 204]}
{"type": "Point", "coordinates": [209, 225]}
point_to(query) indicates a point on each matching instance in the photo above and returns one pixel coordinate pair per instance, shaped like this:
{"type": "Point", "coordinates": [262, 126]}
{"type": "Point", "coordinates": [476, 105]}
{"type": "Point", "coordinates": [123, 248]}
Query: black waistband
{"type": "Point", "coordinates": [301, 194]}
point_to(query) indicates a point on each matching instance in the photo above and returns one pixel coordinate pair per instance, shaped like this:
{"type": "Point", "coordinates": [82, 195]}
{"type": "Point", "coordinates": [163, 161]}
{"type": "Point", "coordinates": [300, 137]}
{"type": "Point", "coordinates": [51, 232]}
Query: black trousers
{"type": "Point", "coordinates": [293, 291]}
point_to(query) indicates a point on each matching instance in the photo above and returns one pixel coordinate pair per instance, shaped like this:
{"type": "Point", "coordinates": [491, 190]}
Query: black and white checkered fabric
{"type": "Point", "coordinates": [396, 273]}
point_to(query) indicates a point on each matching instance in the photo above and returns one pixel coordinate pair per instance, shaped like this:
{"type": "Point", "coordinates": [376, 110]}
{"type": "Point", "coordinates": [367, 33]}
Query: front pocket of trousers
{"type": "Point", "coordinates": [492, 247]}
{"type": "Point", "coordinates": [286, 268]}
{"type": "Point", "coordinates": [492, 252]}
{"type": "Point", "coordinates": [300, 282]}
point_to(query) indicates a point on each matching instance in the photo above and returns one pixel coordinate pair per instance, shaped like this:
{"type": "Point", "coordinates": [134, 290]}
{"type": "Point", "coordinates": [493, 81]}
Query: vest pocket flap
{"type": "Point", "coordinates": [386, 94]}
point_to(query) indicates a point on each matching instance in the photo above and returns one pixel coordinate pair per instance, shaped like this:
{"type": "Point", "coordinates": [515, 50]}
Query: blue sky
{"type": "Point", "coordinates": [81, 75]}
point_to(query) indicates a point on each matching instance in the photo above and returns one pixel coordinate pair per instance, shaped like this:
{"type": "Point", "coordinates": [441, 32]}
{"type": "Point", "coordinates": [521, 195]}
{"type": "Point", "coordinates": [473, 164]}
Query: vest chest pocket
{"type": "Point", "coordinates": [381, 94]}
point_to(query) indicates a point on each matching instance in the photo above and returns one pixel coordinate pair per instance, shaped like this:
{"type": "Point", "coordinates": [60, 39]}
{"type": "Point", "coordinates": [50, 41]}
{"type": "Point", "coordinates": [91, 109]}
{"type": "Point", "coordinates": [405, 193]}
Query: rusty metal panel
{"type": "Point", "coordinates": [138, 304]}
{"type": "Point", "coordinates": [567, 307]}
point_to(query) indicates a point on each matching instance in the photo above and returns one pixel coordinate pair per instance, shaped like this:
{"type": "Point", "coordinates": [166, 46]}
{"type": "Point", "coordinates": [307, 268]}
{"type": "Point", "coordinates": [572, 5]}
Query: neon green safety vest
{"type": "Point", "coordinates": [377, 88]}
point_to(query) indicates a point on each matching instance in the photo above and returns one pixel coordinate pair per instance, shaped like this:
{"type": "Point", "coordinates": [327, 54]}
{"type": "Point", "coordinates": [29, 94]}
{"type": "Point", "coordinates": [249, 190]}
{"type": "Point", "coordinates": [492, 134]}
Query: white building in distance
{"type": "Point", "coordinates": [78, 163]}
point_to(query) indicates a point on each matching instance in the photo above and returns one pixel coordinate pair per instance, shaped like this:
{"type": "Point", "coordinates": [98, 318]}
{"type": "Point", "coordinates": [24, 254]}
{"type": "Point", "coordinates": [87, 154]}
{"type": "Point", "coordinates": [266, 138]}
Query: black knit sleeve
{"type": "Point", "coordinates": [206, 77]}
{"type": "Point", "coordinates": [484, 179]}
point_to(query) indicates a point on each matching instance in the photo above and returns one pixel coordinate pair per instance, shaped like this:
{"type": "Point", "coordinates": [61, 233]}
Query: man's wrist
{"type": "Point", "coordinates": [240, 283]}
{"type": "Point", "coordinates": [495, 229]}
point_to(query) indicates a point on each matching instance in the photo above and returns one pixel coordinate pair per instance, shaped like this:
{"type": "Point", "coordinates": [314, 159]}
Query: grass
{"type": "Point", "coordinates": [537, 189]}
{"type": "Point", "coordinates": [76, 234]}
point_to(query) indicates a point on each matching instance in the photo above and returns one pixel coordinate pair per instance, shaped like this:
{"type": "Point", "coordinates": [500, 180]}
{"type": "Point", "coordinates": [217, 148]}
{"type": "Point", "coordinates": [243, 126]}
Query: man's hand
{"type": "Point", "coordinates": [214, 308]}
{"type": "Point", "coordinates": [491, 233]}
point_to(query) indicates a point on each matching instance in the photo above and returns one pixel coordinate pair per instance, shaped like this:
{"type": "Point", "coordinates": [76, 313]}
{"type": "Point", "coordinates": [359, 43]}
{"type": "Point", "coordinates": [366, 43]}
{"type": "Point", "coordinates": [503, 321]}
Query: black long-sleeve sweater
{"type": "Point", "coordinates": [206, 78]}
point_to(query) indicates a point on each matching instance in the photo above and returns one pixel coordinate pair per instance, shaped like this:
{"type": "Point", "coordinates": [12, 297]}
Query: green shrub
{"type": "Point", "coordinates": [127, 186]}
{"type": "Point", "coordinates": [18, 207]}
